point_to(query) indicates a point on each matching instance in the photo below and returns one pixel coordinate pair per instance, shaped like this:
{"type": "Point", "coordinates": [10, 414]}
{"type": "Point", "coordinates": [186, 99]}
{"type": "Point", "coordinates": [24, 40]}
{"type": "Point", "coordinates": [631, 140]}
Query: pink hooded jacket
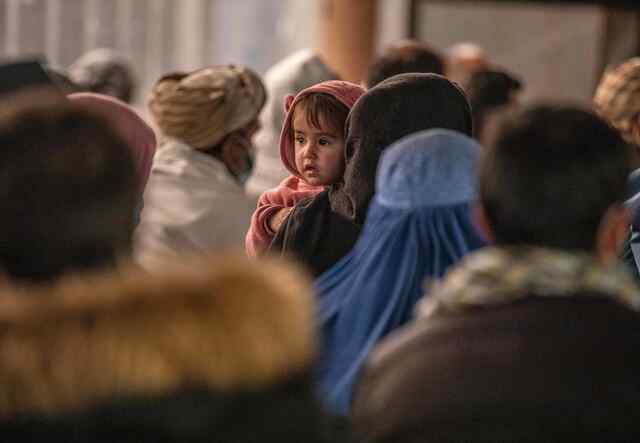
{"type": "Point", "coordinates": [294, 188]}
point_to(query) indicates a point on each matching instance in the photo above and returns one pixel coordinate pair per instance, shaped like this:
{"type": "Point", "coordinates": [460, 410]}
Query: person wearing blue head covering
{"type": "Point", "coordinates": [418, 225]}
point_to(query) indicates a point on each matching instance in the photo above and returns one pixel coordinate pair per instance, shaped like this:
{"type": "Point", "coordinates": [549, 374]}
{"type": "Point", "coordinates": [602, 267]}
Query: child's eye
{"type": "Point", "coordinates": [299, 139]}
{"type": "Point", "coordinates": [324, 142]}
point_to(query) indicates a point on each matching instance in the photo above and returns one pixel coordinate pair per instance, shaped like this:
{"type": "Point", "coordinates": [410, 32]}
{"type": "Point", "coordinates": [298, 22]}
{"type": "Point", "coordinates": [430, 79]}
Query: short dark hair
{"type": "Point", "coordinates": [324, 109]}
{"type": "Point", "coordinates": [489, 90]}
{"type": "Point", "coordinates": [550, 176]}
{"type": "Point", "coordinates": [67, 190]}
{"type": "Point", "coordinates": [410, 56]}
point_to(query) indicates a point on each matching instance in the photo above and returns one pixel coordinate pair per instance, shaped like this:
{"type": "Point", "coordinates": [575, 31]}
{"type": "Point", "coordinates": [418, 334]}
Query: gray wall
{"type": "Point", "coordinates": [556, 49]}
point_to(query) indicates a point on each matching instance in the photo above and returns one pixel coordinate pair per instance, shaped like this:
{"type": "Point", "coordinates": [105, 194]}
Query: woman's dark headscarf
{"type": "Point", "coordinates": [322, 230]}
{"type": "Point", "coordinates": [418, 226]}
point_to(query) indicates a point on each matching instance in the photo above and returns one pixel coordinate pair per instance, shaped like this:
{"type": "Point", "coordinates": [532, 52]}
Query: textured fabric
{"type": "Point", "coordinates": [127, 124]}
{"type": "Point", "coordinates": [429, 168]}
{"type": "Point", "coordinates": [290, 192]}
{"type": "Point", "coordinates": [418, 225]}
{"type": "Point", "coordinates": [617, 97]}
{"type": "Point", "coordinates": [289, 76]}
{"type": "Point", "coordinates": [523, 345]}
{"type": "Point", "coordinates": [542, 369]}
{"type": "Point", "coordinates": [202, 107]}
{"type": "Point", "coordinates": [320, 233]}
{"type": "Point", "coordinates": [221, 353]}
{"type": "Point", "coordinates": [192, 205]}
{"type": "Point", "coordinates": [314, 235]}
{"type": "Point", "coordinates": [503, 275]}
{"type": "Point", "coordinates": [293, 189]}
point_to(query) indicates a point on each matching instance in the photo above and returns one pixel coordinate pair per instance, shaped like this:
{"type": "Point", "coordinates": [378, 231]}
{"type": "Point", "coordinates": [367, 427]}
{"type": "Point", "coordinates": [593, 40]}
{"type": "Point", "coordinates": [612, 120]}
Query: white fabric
{"type": "Point", "coordinates": [192, 204]}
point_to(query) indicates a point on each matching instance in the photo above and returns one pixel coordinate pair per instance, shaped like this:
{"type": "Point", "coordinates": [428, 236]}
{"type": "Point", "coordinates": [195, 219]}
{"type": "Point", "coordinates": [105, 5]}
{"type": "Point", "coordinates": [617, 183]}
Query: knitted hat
{"type": "Point", "coordinates": [202, 107]}
{"type": "Point", "coordinates": [617, 98]}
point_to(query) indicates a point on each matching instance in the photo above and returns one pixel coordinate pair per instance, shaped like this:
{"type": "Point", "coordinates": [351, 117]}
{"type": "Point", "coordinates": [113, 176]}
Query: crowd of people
{"type": "Point", "coordinates": [420, 257]}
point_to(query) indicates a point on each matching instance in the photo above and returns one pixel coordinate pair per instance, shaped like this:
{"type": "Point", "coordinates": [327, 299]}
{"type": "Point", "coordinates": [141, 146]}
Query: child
{"type": "Point", "coordinates": [311, 148]}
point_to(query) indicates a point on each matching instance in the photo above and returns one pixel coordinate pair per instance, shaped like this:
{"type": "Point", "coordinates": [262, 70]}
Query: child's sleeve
{"type": "Point", "coordinates": [260, 234]}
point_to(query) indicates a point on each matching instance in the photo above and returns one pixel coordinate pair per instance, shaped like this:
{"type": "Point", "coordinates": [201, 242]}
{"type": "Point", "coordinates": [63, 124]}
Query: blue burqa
{"type": "Point", "coordinates": [418, 225]}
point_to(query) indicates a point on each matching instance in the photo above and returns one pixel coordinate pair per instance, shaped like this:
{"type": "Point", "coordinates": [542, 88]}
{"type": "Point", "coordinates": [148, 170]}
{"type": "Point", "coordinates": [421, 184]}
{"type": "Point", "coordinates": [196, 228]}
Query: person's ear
{"type": "Point", "coordinates": [236, 153]}
{"type": "Point", "coordinates": [612, 233]}
{"type": "Point", "coordinates": [482, 222]}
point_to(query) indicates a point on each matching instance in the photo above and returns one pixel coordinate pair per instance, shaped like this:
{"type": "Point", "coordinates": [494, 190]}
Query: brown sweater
{"type": "Point", "coordinates": [538, 370]}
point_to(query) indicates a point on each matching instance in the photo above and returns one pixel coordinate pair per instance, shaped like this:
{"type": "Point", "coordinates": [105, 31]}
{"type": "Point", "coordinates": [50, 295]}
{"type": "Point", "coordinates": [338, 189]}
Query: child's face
{"type": "Point", "coordinates": [319, 153]}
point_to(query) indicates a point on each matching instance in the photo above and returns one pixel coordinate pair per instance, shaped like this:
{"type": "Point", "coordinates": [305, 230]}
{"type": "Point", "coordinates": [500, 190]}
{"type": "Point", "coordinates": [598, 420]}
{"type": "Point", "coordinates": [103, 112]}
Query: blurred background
{"type": "Point", "coordinates": [559, 49]}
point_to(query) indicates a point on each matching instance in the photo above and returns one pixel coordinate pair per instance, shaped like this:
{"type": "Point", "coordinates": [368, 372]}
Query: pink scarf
{"type": "Point", "coordinates": [127, 124]}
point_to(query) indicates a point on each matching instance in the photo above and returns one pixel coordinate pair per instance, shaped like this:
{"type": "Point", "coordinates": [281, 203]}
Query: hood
{"type": "Point", "coordinates": [291, 75]}
{"type": "Point", "coordinates": [345, 92]}
{"type": "Point", "coordinates": [399, 106]}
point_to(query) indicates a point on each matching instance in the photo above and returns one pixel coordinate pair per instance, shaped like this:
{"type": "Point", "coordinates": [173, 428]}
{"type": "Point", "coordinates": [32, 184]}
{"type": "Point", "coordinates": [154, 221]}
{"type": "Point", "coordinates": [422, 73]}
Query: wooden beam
{"type": "Point", "coordinates": [346, 36]}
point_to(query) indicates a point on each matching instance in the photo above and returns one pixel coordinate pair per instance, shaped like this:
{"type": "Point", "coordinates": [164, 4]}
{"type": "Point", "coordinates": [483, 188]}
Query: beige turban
{"type": "Point", "coordinates": [203, 107]}
{"type": "Point", "coordinates": [617, 98]}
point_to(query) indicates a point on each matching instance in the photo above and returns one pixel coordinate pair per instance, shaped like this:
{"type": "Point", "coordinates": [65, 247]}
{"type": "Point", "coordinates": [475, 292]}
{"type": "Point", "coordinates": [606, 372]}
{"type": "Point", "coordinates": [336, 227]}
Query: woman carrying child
{"type": "Point", "coordinates": [311, 148]}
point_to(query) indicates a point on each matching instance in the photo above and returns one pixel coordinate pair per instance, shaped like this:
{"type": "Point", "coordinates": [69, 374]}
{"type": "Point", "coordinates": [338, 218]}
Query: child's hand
{"type": "Point", "coordinates": [278, 218]}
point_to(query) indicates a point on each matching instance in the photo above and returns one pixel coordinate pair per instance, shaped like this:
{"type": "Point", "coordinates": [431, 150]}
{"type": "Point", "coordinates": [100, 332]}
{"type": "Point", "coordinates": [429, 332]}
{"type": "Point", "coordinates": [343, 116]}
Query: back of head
{"type": "Point", "coordinates": [406, 56]}
{"type": "Point", "coordinates": [68, 189]}
{"type": "Point", "coordinates": [104, 71]}
{"type": "Point", "coordinates": [463, 59]}
{"type": "Point", "coordinates": [221, 353]}
{"type": "Point", "coordinates": [489, 90]}
{"type": "Point", "coordinates": [550, 176]}
{"type": "Point", "coordinates": [202, 107]}
{"type": "Point", "coordinates": [397, 107]}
